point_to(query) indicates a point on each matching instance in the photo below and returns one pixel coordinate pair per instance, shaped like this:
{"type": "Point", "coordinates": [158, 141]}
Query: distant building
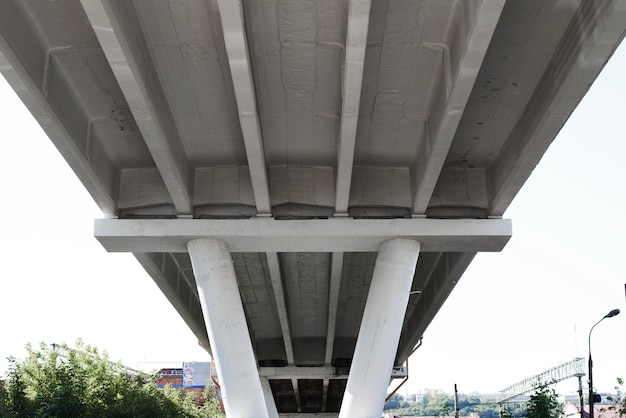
{"type": "Point", "coordinates": [174, 377]}
{"type": "Point", "coordinates": [600, 410]}
{"type": "Point", "coordinates": [191, 377]}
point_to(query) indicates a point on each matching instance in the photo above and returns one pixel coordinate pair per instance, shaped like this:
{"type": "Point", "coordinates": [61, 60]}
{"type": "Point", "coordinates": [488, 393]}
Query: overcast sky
{"type": "Point", "coordinates": [512, 315]}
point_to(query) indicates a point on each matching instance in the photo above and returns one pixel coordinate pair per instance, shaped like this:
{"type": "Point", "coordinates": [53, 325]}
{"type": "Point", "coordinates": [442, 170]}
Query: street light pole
{"type": "Point", "coordinates": [611, 314]}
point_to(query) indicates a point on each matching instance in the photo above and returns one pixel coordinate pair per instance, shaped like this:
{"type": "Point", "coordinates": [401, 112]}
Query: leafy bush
{"type": "Point", "coordinates": [60, 381]}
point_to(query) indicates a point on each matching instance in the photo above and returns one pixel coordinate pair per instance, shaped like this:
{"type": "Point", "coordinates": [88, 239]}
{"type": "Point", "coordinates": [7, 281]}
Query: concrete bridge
{"type": "Point", "coordinates": [306, 181]}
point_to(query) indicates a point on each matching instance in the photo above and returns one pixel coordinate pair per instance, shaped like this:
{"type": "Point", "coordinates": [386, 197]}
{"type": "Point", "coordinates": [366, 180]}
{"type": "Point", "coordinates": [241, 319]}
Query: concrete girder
{"type": "Point", "coordinates": [333, 300]}
{"type": "Point", "coordinates": [290, 372]}
{"type": "Point", "coordinates": [272, 411]}
{"type": "Point", "coordinates": [281, 306]}
{"type": "Point", "coordinates": [20, 80]}
{"type": "Point", "coordinates": [156, 265]}
{"type": "Point", "coordinates": [231, 14]}
{"type": "Point", "coordinates": [588, 43]}
{"type": "Point", "coordinates": [313, 235]}
{"type": "Point", "coordinates": [356, 41]}
{"type": "Point", "coordinates": [461, 81]}
{"type": "Point", "coordinates": [445, 276]}
{"type": "Point", "coordinates": [146, 104]}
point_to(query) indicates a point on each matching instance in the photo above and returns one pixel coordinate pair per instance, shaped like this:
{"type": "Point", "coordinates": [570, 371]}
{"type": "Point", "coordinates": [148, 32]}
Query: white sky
{"type": "Point", "coordinates": [512, 315]}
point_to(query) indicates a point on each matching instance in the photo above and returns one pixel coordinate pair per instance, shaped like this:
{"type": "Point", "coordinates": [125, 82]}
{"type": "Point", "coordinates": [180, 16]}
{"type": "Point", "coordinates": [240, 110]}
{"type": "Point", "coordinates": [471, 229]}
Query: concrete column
{"type": "Point", "coordinates": [379, 334]}
{"type": "Point", "coordinates": [227, 328]}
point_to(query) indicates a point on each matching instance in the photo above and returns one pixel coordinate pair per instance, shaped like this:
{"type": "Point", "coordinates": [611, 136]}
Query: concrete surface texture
{"type": "Point", "coordinates": [300, 136]}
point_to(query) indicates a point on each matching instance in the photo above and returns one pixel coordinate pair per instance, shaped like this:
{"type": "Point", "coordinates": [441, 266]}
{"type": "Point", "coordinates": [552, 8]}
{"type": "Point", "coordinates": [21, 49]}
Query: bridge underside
{"type": "Point", "coordinates": [301, 137]}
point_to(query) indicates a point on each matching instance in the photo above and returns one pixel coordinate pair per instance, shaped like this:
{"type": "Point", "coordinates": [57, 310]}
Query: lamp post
{"type": "Point", "coordinates": [611, 314]}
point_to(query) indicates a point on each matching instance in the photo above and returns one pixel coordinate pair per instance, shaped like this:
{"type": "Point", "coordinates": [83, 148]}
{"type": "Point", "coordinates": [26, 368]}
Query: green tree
{"type": "Point", "coordinates": [619, 400]}
{"type": "Point", "coordinates": [543, 403]}
{"type": "Point", "coordinates": [442, 404]}
{"type": "Point", "coordinates": [487, 408]}
{"type": "Point", "coordinates": [394, 402]}
{"type": "Point", "coordinates": [60, 381]}
{"type": "Point", "coordinates": [13, 401]}
{"type": "Point", "coordinates": [211, 407]}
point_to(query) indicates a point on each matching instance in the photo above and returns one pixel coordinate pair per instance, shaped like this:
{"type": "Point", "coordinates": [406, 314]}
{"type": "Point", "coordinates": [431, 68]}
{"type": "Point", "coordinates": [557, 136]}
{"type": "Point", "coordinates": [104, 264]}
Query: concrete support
{"type": "Point", "coordinates": [269, 398]}
{"type": "Point", "coordinates": [380, 329]}
{"type": "Point", "coordinates": [227, 328]}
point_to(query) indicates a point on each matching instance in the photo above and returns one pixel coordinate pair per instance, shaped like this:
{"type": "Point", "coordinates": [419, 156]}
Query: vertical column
{"type": "Point", "coordinates": [379, 334]}
{"type": "Point", "coordinates": [227, 328]}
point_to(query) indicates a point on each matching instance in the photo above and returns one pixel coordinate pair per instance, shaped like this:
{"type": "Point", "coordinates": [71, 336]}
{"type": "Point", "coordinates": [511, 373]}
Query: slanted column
{"type": "Point", "coordinates": [379, 334]}
{"type": "Point", "coordinates": [227, 328]}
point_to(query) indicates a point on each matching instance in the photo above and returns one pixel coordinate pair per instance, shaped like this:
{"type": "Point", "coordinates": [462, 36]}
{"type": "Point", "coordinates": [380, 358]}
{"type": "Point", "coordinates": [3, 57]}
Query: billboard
{"type": "Point", "coordinates": [196, 374]}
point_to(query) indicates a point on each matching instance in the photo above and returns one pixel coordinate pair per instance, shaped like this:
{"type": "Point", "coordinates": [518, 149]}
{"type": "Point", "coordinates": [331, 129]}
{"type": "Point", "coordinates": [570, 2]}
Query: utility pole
{"type": "Point", "coordinates": [580, 394]}
{"type": "Point", "coordinates": [456, 402]}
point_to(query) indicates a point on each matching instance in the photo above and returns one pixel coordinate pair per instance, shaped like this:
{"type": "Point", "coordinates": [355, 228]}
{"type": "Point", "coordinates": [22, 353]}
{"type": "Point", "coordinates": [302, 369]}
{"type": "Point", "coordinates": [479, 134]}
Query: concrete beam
{"type": "Point", "coordinates": [356, 41]}
{"type": "Point", "coordinates": [433, 155]}
{"type": "Point", "coordinates": [445, 275]}
{"type": "Point", "coordinates": [333, 301]}
{"type": "Point", "coordinates": [231, 13]}
{"type": "Point", "coordinates": [186, 308]}
{"type": "Point", "coordinates": [281, 305]}
{"type": "Point", "coordinates": [289, 372]}
{"type": "Point", "coordinates": [146, 105]}
{"type": "Point", "coordinates": [269, 398]}
{"type": "Point", "coordinates": [586, 46]}
{"type": "Point", "coordinates": [312, 235]}
{"type": "Point", "coordinates": [20, 80]}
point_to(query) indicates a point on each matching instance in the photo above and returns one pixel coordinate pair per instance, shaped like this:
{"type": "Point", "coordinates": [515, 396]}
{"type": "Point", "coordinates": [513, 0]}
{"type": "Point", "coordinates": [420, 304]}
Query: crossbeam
{"type": "Point", "coordinates": [311, 235]}
{"type": "Point", "coordinates": [302, 372]}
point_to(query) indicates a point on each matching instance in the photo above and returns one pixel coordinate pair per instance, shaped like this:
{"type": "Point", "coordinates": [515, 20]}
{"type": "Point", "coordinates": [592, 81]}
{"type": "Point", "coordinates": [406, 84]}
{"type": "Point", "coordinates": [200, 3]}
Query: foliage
{"type": "Point", "coordinates": [441, 404]}
{"type": "Point", "coordinates": [543, 403]}
{"type": "Point", "coordinates": [394, 402]}
{"type": "Point", "coordinates": [211, 407]}
{"type": "Point", "coordinates": [435, 405]}
{"type": "Point", "coordinates": [619, 400]}
{"type": "Point", "coordinates": [60, 381]}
